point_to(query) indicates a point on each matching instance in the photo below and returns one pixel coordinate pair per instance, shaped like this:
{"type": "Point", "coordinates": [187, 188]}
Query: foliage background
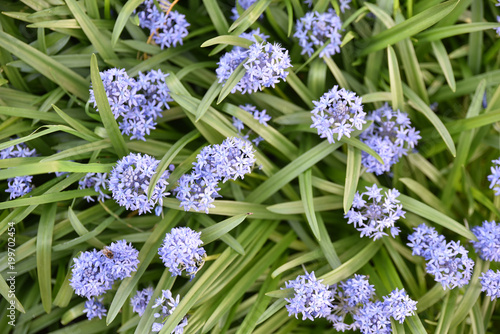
{"type": "Point", "coordinates": [407, 53]}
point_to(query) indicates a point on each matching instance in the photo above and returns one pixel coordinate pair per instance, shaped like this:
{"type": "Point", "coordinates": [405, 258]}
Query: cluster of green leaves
{"type": "Point", "coordinates": [408, 53]}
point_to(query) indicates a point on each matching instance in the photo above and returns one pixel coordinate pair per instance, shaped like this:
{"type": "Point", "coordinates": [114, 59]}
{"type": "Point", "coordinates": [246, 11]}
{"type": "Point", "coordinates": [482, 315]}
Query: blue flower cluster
{"type": "Point", "coordinates": [260, 116]}
{"type": "Point", "coordinates": [166, 30]}
{"type": "Point", "coordinates": [390, 135]}
{"type": "Point", "coordinates": [488, 241]}
{"type": "Point", "coordinates": [19, 185]}
{"type": "Point", "coordinates": [311, 298]}
{"type": "Point", "coordinates": [95, 308]}
{"type": "Point", "coordinates": [354, 300]}
{"type": "Point", "coordinates": [490, 282]}
{"type": "Point", "coordinates": [181, 251]}
{"type": "Point", "coordinates": [244, 4]}
{"type": "Point", "coordinates": [228, 161]}
{"type": "Point", "coordinates": [94, 272]}
{"type": "Point", "coordinates": [314, 30]}
{"type": "Point", "coordinates": [338, 112]}
{"type": "Point", "coordinates": [447, 262]}
{"type": "Point", "coordinates": [494, 177]}
{"type": "Point", "coordinates": [168, 304]}
{"type": "Point", "coordinates": [129, 181]}
{"type": "Point", "coordinates": [264, 63]}
{"type": "Point", "coordinates": [140, 300]}
{"type": "Point", "coordinates": [377, 213]}
{"type": "Point", "coordinates": [98, 181]}
{"type": "Point", "coordinates": [136, 102]}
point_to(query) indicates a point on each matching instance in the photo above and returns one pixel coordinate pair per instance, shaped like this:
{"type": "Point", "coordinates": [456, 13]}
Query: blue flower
{"type": "Point", "coordinates": [390, 135]}
{"type": "Point", "coordinates": [94, 272]}
{"type": "Point", "coordinates": [447, 262]}
{"type": "Point", "coordinates": [488, 241]}
{"type": "Point", "coordinates": [168, 304]}
{"type": "Point", "coordinates": [265, 64]}
{"type": "Point", "coordinates": [98, 181]}
{"type": "Point", "coordinates": [260, 116]}
{"type": "Point", "coordinates": [344, 5]}
{"type": "Point", "coordinates": [494, 177]}
{"type": "Point", "coordinates": [140, 300]}
{"type": "Point", "coordinates": [90, 274]}
{"type": "Point", "coordinates": [490, 282]}
{"type": "Point", "coordinates": [129, 181]}
{"type": "Point", "coordinates": [167, 30]}
{"type": "Point", "coordinates": [354, 299]}
{"type": "Point", "coordinates": [317, 29]}
{"type": "Point", "coordinates": [20, 185]}
{"type": "Point", "coordinates": [228, 161]}
{"type": "Point", "coordinates": [135, 103]}
{"type": "Point", "coordinates": [337, 113]}
{"type": "Point", "coordinates": [377, 213]}
{"type": "Point", "coordinates": [94, 308]}
{"type": "Point", "coordinates": [311, 298]}
{"type": "Point", "coordinates": [399, 305]}
{"type": "Point", "coordinates": [181, 251]}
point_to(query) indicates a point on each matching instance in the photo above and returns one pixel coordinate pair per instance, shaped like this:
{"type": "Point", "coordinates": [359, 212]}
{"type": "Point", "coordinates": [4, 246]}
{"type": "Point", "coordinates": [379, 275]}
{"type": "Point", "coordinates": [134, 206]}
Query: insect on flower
{"type": "Point", "coordinates": [107, 253]}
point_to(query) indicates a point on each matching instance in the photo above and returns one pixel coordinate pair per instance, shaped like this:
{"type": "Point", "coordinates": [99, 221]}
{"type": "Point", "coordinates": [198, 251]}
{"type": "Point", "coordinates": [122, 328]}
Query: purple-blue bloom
{"type": "Point", "coordinates": [337, 114]}
{"type": "Point", "coordinates": [265, 64]}
{"type": "Point", "coordinates": [140, 300]}
{"type": "Point", "coordinates": [390, 135]}
{"type": "Point", "coordinates": [344, 5]}
{"type": "Point", "coordinates": [98, 181]}
{"type": "Point", "coordinates": [90, 274]}
{"type": "Point", "coordinates": [167, 30]}
{"type": "Point", "coordinates": [399, 305]}
{"type": "Point", "coordinates": [168, 305]}
{"type": "Point", "coordinates": [129, 181]}
{"type": "Point", "coordinates": [354, 299]}
{"type": "Point", "coordinates": [19, 185]}
{"type": "Point", "coordinates": [494, 177]}
{"type": "Point", "coordinates": [314, 30]}
{"type": "Point", "coordinates": [311, 298]}
{"type": "Point", "coordinates": [228, 161]}
{"type": "Point", "coordinates": [487, 245]}
{"type": "Point", "coordinates": [490, 282]}
{"type": "Point", "coordinates": [181, 251]}
{"type": "Point", "coordinates": [260, 116]}
{"type": "Point", "coordinates": [94, 272]}
{"type": "Point", "coordinates": [447, 262]}
{"type": "Point", "coordinates": [377, 214]}
{"type": "Point", "coordinates": [94, 308]}
{"type": "Point", "coordinates": [135, 103]}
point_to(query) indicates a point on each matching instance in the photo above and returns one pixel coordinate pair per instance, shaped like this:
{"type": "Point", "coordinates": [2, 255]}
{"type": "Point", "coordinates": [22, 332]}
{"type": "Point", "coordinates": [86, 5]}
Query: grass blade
{"type": "Point", "coordinates": [353, 169]}
{"type": "Point", "coordinates": [306, 193]}
{"type": "Point", "coordinates": [105, 110]}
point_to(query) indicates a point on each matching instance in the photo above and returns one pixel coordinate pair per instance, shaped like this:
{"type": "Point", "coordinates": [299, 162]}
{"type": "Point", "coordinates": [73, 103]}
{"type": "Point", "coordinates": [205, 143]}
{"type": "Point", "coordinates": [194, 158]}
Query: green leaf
{"type": "Point", "coordinates": [214, 232]}
{"type": "Point", "coordinates": [444, 62]}
{"type": "Point", "coordinates": [353, 169]}
{"type": "Point", "coordinates": [47, 198]}
{"type": "Point", "coordinates": [228, 40]}
{"type": "Point", "coordinates": [98, 40]}
{"type": "Point", "coordinates": [232, 81]}
{"type": "Point", "coordinates": [249, 16]}
{"type": "Point", "coordinates": [306, 193]}
{"type": "Point", "coordinates": [437, 34]}
{"type": "Point", "coordinates": [447, 312]}
{"type": "Point", "coordinates": [169, 157]}
{"type": "Point", "coordinates": [105, 110]}
{"type": "Point", "coordinates": [217, 16]}
{"type": "Point", "coordinates": [122, 19]}
{"type": "Point", "coordinates": [416, 102]}
{"type": "Point", "coordinates": [326, 245]}
{"type": "Point", "coordinates": [9, 294]}
{"type": "Point", "coordinates": [435, 216]}
{"type": "Point", "coordinates": [44, 253]}
{"type": "Point", "coordinates": [408, 28]}
{"type": "Point", "coordinates": [207, 100]}
{"type": "Point", "coordinates": [54, 71]}
{"type": "Point", "coordinates": [395, 80]}
{"type": "Point", "coordinates": [354, 264]}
